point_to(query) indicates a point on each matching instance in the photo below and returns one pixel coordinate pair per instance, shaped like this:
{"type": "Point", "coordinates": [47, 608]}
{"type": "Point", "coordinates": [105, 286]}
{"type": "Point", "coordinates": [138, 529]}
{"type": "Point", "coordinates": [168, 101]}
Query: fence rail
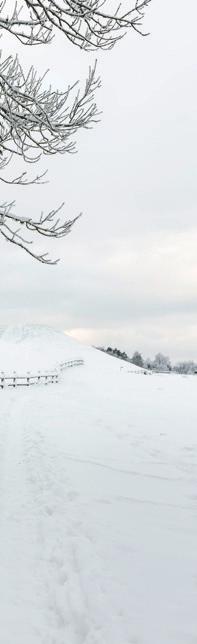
{"type": "Point", "coordinates": [70, 363]}
{"type": "Point", "coordinates": [29, 379]}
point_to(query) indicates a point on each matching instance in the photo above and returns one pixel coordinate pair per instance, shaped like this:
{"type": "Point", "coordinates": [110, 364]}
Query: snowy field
{"type": "Point", "coordinates": [98, 500]}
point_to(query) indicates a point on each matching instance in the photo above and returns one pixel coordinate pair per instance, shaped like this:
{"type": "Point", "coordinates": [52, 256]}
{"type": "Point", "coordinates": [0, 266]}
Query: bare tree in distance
{"type": "Point", "coordinates": [36, 120]}
{"type": "Point", "coordinates": [137, 359]}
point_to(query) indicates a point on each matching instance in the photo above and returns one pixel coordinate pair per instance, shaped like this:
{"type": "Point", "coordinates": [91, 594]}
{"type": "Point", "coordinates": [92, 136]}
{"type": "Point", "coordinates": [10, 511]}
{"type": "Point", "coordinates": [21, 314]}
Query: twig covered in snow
{"type": "Point", "coordinates": [89, 24]}
{"type": "Point", "coordinates": [36, 121]}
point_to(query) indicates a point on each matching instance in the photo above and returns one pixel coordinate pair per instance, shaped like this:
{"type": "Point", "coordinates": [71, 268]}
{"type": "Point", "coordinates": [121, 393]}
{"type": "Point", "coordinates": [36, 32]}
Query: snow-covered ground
{"type": "Point", "coordinates": [98, 500]}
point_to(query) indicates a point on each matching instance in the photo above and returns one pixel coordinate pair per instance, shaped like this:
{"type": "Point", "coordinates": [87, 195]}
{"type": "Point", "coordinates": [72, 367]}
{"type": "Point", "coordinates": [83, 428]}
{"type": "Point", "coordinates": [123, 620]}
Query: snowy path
{"type": "Point", "coordinates": [98, 509]}
{"type": "Point", "coordinates": [19, 584]}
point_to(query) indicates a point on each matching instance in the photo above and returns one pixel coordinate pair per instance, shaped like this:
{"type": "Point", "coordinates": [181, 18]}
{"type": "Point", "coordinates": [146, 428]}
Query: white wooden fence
{"type": "Point", "coordinates": [70, 363]}
{"type": "Point", "coordinates": [46, 378]}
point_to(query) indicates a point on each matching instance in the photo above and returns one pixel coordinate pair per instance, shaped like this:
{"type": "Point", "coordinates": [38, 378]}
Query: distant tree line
{"type": "Point", "coordinates": [160, 363]}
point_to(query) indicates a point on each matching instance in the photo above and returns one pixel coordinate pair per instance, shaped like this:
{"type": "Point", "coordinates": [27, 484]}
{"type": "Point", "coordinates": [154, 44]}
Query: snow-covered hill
{"type": "Point", "coordinates": [98, 492]}
{"type": "Point", "coordinates": [35, 347]}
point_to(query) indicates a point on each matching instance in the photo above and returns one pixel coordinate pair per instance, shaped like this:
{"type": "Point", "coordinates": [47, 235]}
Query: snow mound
{"type": "Point", "coordinates": [20, 333]}
{"type": "Point", "coordinates": [35, 347]}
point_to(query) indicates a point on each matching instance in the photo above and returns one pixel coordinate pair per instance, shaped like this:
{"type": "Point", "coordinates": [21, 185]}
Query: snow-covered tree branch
{"type": "Point", "coordinates": [89, 24]}
{"type": "Point", "coordinates": [35, 120]}
{"type": "Point", "coordinates": [12, 228]}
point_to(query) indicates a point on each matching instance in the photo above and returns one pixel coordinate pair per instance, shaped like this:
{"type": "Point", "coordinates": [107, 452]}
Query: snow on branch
{"type": "Point", "coordinates": [89, 24]}
{"type": "Point", "coordinates": [29, 28]}
{"type": "Point", "coordinates": [50, 225]}
{"type": "Point", "coordinates": [36, 121]}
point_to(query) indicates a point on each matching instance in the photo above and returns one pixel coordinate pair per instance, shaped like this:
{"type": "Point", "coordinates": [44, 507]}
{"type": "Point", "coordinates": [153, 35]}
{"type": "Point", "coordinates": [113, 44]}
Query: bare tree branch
{"type": "Point", "coordinates": [22, 179]}
{"type": "Point", "coordinates": [88, 24]}
{"type": "Point", "coordinates": [12, 225]}
{"type": "Point", "coordinates": [36, 121]}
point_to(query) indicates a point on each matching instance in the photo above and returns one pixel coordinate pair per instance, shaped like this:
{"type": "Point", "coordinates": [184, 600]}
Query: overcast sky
{"type": "Point", "coordinates": [128, 271]}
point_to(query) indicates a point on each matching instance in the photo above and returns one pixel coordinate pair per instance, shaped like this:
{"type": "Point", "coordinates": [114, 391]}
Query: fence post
{"type": "Point", "coordinates": [14, 378]}
{"type": "Point", "coordinates": [28, 378]}
{"type": "Point", "coordinates": [2, 379]}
